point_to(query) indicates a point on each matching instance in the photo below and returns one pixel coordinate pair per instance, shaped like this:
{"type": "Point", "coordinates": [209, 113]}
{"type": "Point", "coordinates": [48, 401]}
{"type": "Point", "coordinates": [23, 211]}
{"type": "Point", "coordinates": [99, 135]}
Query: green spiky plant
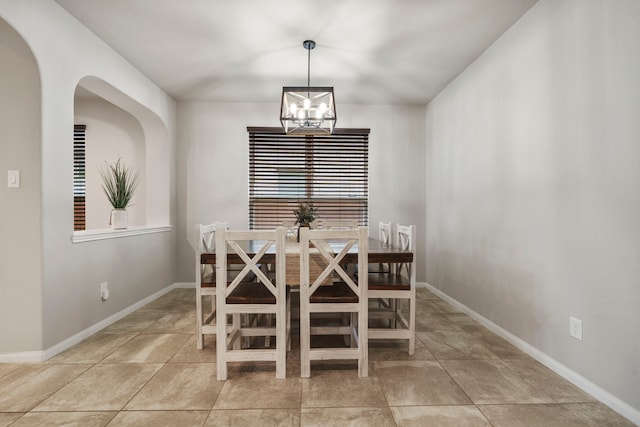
{"type": "Point", "coordinates": [119, 184]}
{"type": "Point", "coordinates": [305, 214]}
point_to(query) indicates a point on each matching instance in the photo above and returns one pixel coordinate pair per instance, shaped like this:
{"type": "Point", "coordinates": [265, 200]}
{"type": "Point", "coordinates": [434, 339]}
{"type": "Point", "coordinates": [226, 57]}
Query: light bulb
{"type": "Point", "coordinates": [293, 108]}
{"type": "Point", "coordinates": [323, 107]}
{"type": "Point", "coordinates": [306, 103]}
{"type": "Point", "coordinates": [319, 113]}
{"type": "Point", "coordinates": [301, 114]}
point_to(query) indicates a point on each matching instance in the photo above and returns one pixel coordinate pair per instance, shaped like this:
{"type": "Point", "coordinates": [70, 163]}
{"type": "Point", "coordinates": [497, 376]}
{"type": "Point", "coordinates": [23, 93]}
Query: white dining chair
{"type": "Point", "coordinates": [385, 236]}
{"type": "Point", "coordinates": [265, 295]}
{"type": "Point", "coordinates": [395, 287]}
{"type": "Point", "coordinates": [206, 283]}
{"type": "Point", "coordinates": [348, 295]}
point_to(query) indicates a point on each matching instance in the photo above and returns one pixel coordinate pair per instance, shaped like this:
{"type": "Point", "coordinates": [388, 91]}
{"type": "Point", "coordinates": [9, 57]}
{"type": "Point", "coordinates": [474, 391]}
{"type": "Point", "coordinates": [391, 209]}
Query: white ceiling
{"type": "Point", "coordinates": [371, 51]}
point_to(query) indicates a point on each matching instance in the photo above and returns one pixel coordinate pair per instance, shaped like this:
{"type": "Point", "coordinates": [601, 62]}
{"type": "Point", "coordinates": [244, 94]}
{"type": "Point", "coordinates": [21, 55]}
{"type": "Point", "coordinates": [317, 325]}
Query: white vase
{"type": "Point", "coordinates": [119, 219]}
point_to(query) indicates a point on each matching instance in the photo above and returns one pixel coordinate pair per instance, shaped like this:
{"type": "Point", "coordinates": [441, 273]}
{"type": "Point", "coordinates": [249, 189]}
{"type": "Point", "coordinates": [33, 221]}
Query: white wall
{"type": "Point", "coordinates": [20, 254]}
{"type": "Point", "coordinates": [111, 134]}
{"type": "Point", "coordinates": [69, 274]}
{"type": "Point", "coordinates": [533, 160]}
{"type": "Point", "coordinates": [213, 156]}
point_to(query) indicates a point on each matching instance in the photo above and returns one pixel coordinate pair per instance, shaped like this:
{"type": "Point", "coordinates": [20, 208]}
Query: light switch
{"type": "Point", "coordinates": [13, 179]}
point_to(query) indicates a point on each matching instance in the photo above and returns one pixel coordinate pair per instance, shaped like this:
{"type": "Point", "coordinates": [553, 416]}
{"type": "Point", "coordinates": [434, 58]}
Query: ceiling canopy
{"type": "Point", "coordinates": [370, 51]}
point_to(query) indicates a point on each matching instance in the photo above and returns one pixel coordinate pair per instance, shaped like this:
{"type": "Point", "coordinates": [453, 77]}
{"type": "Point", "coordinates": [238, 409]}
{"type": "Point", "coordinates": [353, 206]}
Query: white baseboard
{"type": "Point", "coordinates": [22, 357]}
{"type": "Point", "coordinates": [39, 356]}
{"type": "Point", "coordinates": [618, 405]}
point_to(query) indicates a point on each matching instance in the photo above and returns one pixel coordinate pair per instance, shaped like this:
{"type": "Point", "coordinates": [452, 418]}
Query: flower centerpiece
{"type": "Point", "coordinates": [119, 184]}
{"type": "Point", "coordinates": [305, 215]}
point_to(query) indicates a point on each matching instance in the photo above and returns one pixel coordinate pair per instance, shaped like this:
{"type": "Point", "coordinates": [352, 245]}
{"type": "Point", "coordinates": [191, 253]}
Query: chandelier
{"type": "Point", "coordinates": [308, 110]}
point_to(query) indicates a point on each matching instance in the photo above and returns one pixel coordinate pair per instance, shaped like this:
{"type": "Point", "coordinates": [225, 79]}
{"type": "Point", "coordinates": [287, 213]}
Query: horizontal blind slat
{"type": "Point", "coordinates": [79, 177]}
{"type": "Point", "coordinates": [329, 171]}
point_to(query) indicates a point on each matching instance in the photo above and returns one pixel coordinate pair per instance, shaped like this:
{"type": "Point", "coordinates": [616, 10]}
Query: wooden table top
{"type": "Point", "coordinates": [378, 252]}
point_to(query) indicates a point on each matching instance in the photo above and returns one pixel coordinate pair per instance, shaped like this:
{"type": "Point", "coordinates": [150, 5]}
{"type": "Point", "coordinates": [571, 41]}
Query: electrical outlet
{"type": "Point", "coordinates": [575, 328]}
{"type": "Point", "coordinates": [104, 291]}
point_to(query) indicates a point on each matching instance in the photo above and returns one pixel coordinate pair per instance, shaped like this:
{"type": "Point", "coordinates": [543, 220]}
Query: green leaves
{"type": "Point", "coordinates": [305, 214]}
{"type": "Point", "coordinates": [119, 184]}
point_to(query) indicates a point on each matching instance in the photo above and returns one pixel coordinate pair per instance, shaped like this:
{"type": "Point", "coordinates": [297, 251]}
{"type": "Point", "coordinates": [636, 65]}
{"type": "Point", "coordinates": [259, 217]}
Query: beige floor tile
{"type": "Point", "coordinates": [335, 389]}
{"type": "Point", "coordinates": [133, 323]}
{"type": "Point", "coordinates": [6, 418]}
{"type": "Point", "coordinates": [440, 306]}
{"type": "Point", "coordinates": [441, 416]}
{"type": "Point", "coordinates": [427, 321]}
{"type": "Point", "coordinates": [243, 368]}
{"type": "Point", "coordinates": [540, 415]}
{"type": "Point", "coordinates": [5, 368]}
{"type": "Point", "coordinates": [179, 386]}
{"type": "Point", "coordinates": [423, 294]}
{"type": "Point", "coordinates": [104, 387]}
{"type": "Point", "coordinates": [93, 349]}
{"type": "Point", "coordinates": [164, 331]}
{"type": "Point", "coordinates": [27, 386]}
{"type": "Point", "coordinates": [454, 345]}
{"type": "Point", "coordinates": [185, 325]}
{"type": "Point", "coordinates": [352, 417]}
{"type": "Point", "coordinates": [67, 419]}
{"type": "Point", "coordinates": [148, 348]}
{"type": "Point", "coordinates": [173, 303]}
{"type": "Point", "coordinates": [548, 381]}
{"type": "Point", "coordinates": [597, 414]}
{"type": "Point", "coordinates": [259, 390]}
{"type": "Point", "coordinates": [397, 350]}
{"type": "Point", "coordinates": [498, 345]}
{"type": "Point", "coordinates": [492, 381]}
{"type": "Point", "coordinates": [462, 320]}
{"type": "Point", "coordinates": [186, 294]}
{"type": "Point", "coordinates": [254, 417]}
{"type": "Point", "coordinates": [349, 367]}
{"type": "Point", "coordinates": [190, 354]}
{"type": "Point", "coordinates": [164, 324]}
{"type": "Point", "coordinates": [159, 418]}
{"type": "Point", "coordinates": [418, 383]}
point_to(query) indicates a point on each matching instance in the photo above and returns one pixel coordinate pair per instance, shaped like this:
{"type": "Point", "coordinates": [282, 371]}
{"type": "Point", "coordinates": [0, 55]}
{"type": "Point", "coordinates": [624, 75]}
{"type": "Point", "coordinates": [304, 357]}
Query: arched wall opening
{"type": "Point", "coordinates": [49, 276]}
{"type": "Point", "coordinates": [143, 144]}
{"type": "Point", "coordinates": [20, 207]}
{"type": "Point", "coordinates": [110, 134]}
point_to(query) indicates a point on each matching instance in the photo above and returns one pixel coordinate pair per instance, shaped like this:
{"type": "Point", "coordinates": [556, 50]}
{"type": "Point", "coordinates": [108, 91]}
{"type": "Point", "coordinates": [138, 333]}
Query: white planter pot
{"type": "Point", "coordinates": [119, 219]}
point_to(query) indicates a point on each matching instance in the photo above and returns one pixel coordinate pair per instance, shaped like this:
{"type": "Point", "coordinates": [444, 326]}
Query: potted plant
{"type": "Point", "coordinates": [305, 215]}
{"type": "Point", "coordinates": [119, 183]}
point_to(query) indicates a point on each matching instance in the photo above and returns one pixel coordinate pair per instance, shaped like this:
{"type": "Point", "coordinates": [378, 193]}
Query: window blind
{"type": "Point", "coordinates": [79, 178]}
{"type": "Point", "coordinates": [330, 171]}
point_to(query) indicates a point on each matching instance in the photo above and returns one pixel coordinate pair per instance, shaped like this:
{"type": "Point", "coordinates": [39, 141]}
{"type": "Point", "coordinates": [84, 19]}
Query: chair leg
{"type": "Point", "coordinates": [353, 343]}
{"type": "Point", "coordinates": [269, 323]}
{"type": "Point", "coordinates": [412, 323]}
{"type": "Point", "coordinates": [305, 344]}
{"type": "Point", "coordinates": [347, 320]}
{"type": "Point", "coordinates": [363, 342]}
{"type": "Point", "coordinates": [236, 326]}
{"type": "Point", "coordinates": [395, 308]}
{"type": "Point", "coordinates": [288, 337]}
{"type": "Point", "coordinates": [281, 341]}
{"type": "Point", "coordinates": [221, 347]}
{"type": "Point", "coordinates": [199, 335]}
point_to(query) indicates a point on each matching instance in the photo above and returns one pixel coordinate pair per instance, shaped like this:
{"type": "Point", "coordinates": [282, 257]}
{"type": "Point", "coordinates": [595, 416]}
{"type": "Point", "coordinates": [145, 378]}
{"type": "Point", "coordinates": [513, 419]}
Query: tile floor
{"type": "Point", "coordinates": [145, 370]}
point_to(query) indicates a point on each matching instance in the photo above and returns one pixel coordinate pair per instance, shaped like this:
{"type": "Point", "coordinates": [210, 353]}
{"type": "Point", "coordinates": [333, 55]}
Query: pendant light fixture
{"type": "Point", "coordinates": [308, 110]}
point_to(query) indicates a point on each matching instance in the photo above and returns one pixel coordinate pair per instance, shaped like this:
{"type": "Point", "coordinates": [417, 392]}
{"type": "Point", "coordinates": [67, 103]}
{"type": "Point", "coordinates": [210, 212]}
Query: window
{"type": "Point", "coordinates": [79, 178]}
{"type": "Point", "coordinates": [330, 171]}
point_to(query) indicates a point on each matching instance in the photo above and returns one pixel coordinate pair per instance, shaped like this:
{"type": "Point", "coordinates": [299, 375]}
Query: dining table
{"type": "Point", "coordinates": [377, 251]}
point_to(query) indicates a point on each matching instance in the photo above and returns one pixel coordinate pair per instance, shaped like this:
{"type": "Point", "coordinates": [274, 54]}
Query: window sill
{"type": "Point", "coordinates": [107, 233]}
